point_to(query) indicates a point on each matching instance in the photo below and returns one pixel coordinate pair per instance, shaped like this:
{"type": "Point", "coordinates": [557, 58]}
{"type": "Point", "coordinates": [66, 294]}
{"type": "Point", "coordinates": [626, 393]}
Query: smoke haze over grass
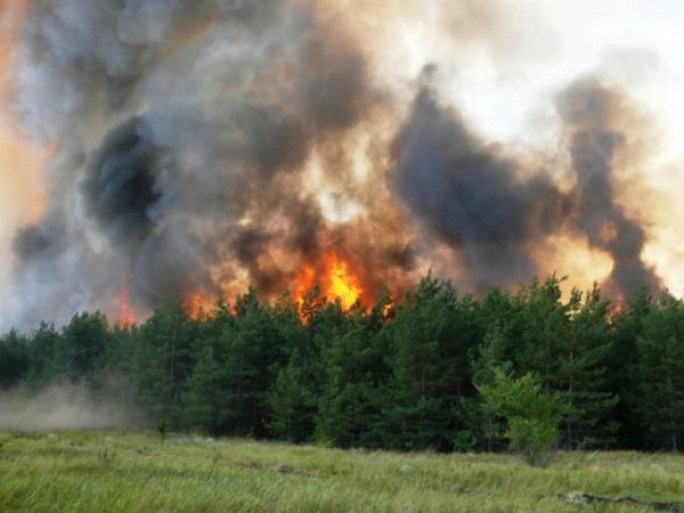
{"type": "Point", "coordinates": [63, 406]}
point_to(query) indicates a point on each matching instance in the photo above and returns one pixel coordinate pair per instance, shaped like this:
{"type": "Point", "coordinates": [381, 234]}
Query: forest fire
{"type": "Point", "coordinates": [335, 279]}
{"type": "Point", "coordinates": [193, 167]}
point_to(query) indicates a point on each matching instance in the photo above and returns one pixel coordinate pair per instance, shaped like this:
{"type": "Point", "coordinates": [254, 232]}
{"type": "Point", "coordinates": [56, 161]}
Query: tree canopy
{"type": "Point", "coordinates": [416, 372]}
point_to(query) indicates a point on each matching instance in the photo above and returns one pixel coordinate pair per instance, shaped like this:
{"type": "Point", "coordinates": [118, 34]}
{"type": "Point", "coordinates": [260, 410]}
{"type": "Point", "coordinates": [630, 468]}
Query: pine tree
{"type": "Point", "coordinates": [584, 366]}
{"type": "Point", "coordinates": [567, 345]}
{"type": "Point", "coordinates": [350, 404]}
{"type": "Point", "coordinates": [164, 361]}
{"type": "Point", "coordinates": [81, 352]}
{"type": "Point", "coordinates": [624, 368]}
{"type": "Point", "coordinates": [660, 370]}
{"type": "Point", "coordinates": [293, 397]}
{"type": "Point", "coordinates": [293, 401]}
{"type": "Point", "coordinates": [14, 359]}
{"type": "Point", "coordinates": [43, 347]}
{"type": "Point", "coordinates": [431, 340]}
{"type": "Point", "coordinates": [234, 373]}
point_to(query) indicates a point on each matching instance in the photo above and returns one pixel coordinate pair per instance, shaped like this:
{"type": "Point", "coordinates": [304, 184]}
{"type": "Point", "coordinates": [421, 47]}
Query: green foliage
{"type": "Point", "coordinates": [590, 404]}
{"type": "Point", "coordinates": [43, 354]}
{"type": "Point", "coordinates": [164, 362]}
{"type": "Point", "coordinates": [431, 337]}
{"type": "Point", "coordinates": [14, 359]}
{"type": "Point", "coordinates": [402, 374]}
{"type": "Point", "coordinates": [350, 403]}
{"type": "Point", "coordinates": [532, 415]}
{"type": "Point", "coordinates": [293, 402]}
{"type": "Point", "coordinates": [82, 346]}
{"type": "Point", "coordinates": [234, 371]}
{"type": "Point", "coordinates": [622, 377]}
{"type": "Point", "coordinates": [660, 371]}
{"type": "Point", "coordinates": [566, 344]}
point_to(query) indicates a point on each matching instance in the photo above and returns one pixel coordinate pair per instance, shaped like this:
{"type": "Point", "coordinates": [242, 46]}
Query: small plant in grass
{"type": "Point", "coordinates": [106, 456]}
{"type": "Point", "coordinates": [532, 415]}
{"type": "Point", "coordinates": [163, 429]}
{"type": "Point", "coordinates": [215, 458]}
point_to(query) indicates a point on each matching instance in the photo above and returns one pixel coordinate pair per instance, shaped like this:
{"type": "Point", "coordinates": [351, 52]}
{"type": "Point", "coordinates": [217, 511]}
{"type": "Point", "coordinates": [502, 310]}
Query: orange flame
{"type": "Point", "coordinates": [343, 285]}
{"type": "Point", "coordinates": [305, 283]}
{"type": "Point", "coordinates": [126, 313]}
{"type": "Point", "coordinates": [194, 306]}
{"type": "Point", "coordinates": [336, 280]}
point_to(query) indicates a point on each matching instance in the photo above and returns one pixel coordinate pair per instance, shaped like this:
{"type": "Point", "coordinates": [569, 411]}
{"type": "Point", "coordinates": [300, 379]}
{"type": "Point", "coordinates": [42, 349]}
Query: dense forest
{"type": "Point", "coordinates": [402, 374]}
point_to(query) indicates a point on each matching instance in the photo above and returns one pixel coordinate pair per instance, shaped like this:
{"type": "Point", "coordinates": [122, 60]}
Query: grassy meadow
{"type": "Point", "coordinates": [102, 471]}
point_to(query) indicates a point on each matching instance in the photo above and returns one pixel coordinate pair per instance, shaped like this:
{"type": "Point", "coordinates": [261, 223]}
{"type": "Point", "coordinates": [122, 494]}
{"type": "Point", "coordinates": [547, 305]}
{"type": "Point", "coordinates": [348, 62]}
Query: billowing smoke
{"type": "Point", "coordinates": [588, 112]}
{"type": "Point", "coordinates": [119, 187]}
{"type": "Point", "coordinates": [204, 146]}
{"type": "Point", "coordinates": [471, 196]}
{"type": "Point", "coordinates": [494, 212]}
{"type": "Point", "coordinates": [207, 115]}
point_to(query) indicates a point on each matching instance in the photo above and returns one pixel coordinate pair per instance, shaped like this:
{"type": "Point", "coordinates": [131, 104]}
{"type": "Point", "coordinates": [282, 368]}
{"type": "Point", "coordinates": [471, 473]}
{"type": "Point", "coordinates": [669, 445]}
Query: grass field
{"type": "Point", "coordinates": [134, 472]}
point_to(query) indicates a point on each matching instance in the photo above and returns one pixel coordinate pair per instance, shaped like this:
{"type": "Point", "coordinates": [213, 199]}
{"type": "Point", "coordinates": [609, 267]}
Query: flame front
{"type": "Point", "coordinates": [195, 306]}
{"type": "Point", "coordinates": [334, 277]}
{"type": "Point", "coordinates": [343, 284]}
{"type": "Point", "coordinates": [306, 281]}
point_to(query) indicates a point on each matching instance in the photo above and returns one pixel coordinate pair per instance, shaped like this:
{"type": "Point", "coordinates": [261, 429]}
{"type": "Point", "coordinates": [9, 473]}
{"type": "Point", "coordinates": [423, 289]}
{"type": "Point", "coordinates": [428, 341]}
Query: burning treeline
{"type": "Point", "coordinates": [198, 147]}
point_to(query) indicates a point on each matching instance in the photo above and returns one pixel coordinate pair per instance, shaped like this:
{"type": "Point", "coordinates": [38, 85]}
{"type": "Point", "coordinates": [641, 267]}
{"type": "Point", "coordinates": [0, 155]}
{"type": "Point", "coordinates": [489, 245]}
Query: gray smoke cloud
{"type": "Point", "coordinates": [472, 197]}
{"type": "Point", "coordinates": [181, 133]}
{"type": "Point", "coordinates": [587, 109]}
{"type": "Point", "coordinates": [119, 186]}
{"type": "Point", "coordinates": [481, 203]}
{"type": "Point", "coordinates": [184, 133]}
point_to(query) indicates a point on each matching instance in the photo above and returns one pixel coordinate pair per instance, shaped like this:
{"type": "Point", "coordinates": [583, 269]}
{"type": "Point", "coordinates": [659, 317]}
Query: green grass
{"type": "Point", "coordinates": [133, 472]}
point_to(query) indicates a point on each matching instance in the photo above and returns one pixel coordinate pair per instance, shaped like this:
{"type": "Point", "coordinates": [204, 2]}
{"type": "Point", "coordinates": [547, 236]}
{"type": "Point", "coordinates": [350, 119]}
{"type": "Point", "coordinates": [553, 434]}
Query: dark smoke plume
{"type": "Point", "coordinates": [119, 187]}
{"type": "Point", "coordinates": [587, 110]}
{"type": "Point", "coordinates": [471, 197]}
{"type": "Point", "coordinates": [475, 200]}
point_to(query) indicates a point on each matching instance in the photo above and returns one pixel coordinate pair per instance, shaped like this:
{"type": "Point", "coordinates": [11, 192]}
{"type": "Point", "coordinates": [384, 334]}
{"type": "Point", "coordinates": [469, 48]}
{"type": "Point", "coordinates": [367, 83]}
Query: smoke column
{"type": "Point", "coordinates": [199, 147]}
{"type": "Point", "coordinates": [471, 197]}
{"type": "Point", "coordinates": [586, 109]}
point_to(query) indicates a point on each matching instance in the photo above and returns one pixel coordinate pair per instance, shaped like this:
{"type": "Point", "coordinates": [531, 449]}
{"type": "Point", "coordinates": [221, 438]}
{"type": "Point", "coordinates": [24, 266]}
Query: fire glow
{"type": "Point", "coordinates": [331, 279]}
{"type": "Point", "coordinates": [335, 279]}
{"type": "Point", "coordinates": [126, 317]}
{"type": "Point", "coordinates": [195, 306]}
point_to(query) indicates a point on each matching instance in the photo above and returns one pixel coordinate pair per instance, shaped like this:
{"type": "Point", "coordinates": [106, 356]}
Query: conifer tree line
{"type": "Point", "coordinates": [402, 375]}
